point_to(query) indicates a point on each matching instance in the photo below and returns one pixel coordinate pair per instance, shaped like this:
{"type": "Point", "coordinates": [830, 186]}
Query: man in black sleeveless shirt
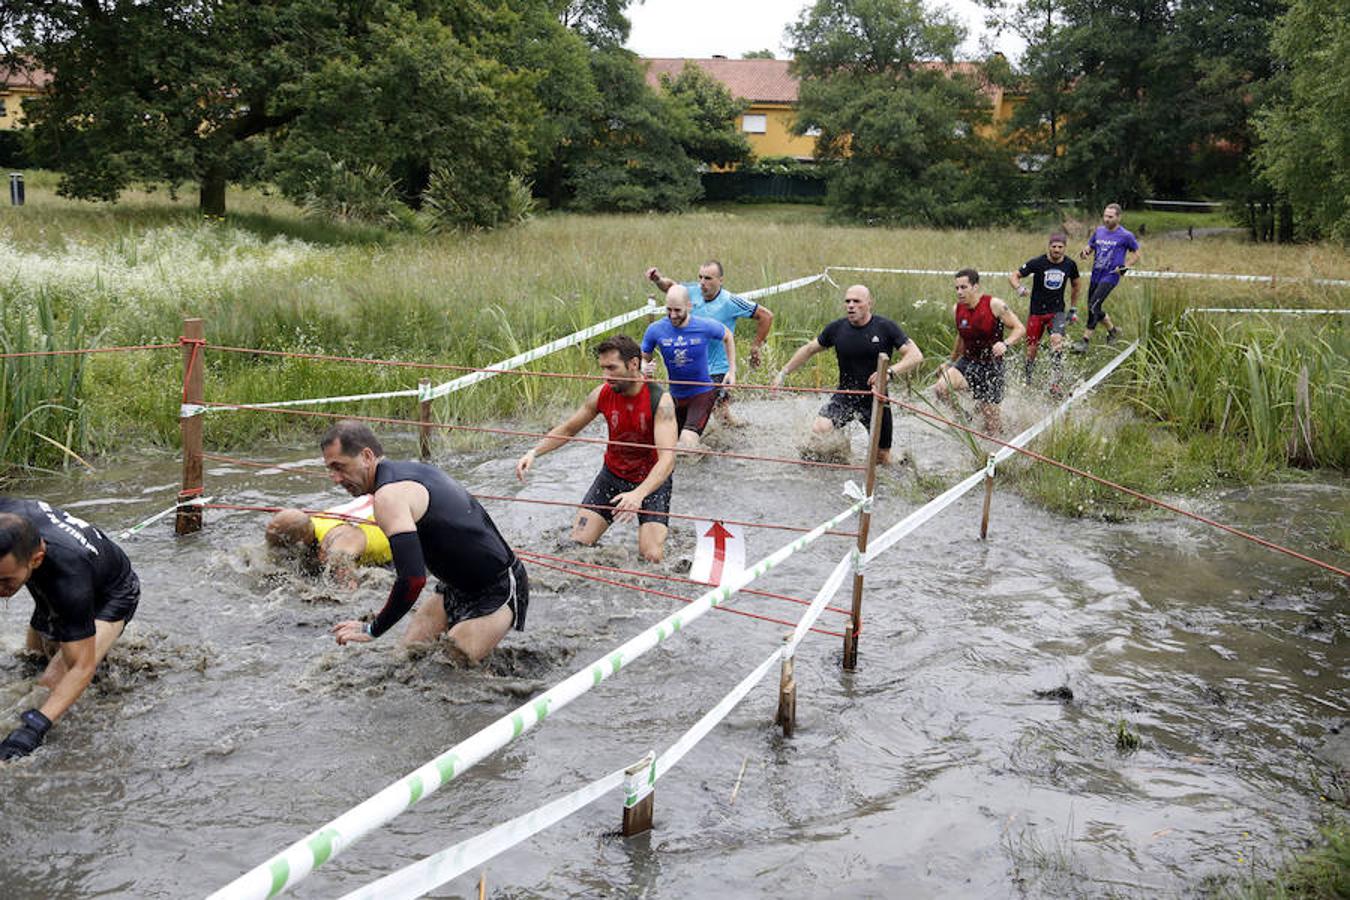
{"type": "Point", "coordinates": [84, 592]}
{"type": "Point", "coordinates": [434, 526]}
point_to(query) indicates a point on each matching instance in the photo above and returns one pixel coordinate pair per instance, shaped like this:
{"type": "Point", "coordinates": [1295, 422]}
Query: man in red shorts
{"type": "Point", "coordinates": [1052, 272]}
{"type": "Point", "coordinates": [635, 479]}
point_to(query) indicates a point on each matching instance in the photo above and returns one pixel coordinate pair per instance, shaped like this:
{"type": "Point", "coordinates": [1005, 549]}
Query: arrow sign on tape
{"type": "Point", "coordinates": [720, 553]}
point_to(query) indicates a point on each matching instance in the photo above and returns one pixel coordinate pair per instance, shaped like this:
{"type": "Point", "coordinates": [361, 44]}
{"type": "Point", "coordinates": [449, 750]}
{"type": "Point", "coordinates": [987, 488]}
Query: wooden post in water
{"type": "Point", "coordinates": [988, 495]}
{"type": "Point", "coordinates": [865, 517]}
{"type": "Point", "coordinates": [639, 796]}
{"type": "Point", "coordinates": [424, 415]}
{"type": "Point", "coordinates": [787, 695]}
{"type": "Point", "coordinates": [189, 515]}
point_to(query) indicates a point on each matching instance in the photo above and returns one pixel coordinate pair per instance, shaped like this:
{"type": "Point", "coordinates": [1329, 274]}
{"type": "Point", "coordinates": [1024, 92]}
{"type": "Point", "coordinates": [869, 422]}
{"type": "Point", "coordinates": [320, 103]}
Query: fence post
{"type": "Point", "coordinates": [639, 795]}
{"type": "Point", "coordinates": [424, 415]}
{"type": "Point", "coordinates": [16, 189]}
{"type": "Point", "coordinates": [787, 695]}
{"type": "Point", "coordinates": [988, 495]}
{"type": "Point", "coordinates": [865, 517]}
{"type": "Point", "coordinates": [189, 518]}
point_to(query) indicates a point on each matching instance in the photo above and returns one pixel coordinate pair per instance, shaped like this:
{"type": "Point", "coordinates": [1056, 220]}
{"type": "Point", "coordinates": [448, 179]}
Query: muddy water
{"type": "Point", "coordinates": [974, 753]}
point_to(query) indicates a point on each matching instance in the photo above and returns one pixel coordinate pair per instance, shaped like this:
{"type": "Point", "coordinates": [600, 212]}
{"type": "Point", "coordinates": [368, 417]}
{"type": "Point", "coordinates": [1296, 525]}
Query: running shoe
{"type": "Point", "coordinates": [1079, 346]}
{"type": "Point", "coordinates": [1113, 335]}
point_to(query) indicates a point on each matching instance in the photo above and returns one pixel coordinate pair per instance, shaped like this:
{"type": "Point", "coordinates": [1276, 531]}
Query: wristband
{"type": "Point", "coordinates": [35, 720]}
{"type": "Point", "coordinates": [368, 630]}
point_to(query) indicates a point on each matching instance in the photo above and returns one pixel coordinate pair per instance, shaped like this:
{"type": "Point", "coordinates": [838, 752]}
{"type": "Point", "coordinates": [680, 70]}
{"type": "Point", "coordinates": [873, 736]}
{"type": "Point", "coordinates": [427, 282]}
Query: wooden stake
{"type": "Point", "coordinates": [482, 885]}
{"type": "Point", "coordinates": [189, 516]}
{"type": "Point", "coordinates": [424, 439]}
{"type": "Point", "coordinates": [865, 518]}
{"type": "Point", "coordinates": [637, 818]}
{"type": "Point", "coordinates": [787, 695]}
{"type": "Point", "coordinates": [988, 495]}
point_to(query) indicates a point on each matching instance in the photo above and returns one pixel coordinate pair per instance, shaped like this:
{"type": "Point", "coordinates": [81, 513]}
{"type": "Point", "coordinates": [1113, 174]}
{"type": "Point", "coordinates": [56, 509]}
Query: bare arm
{"type": "Point", "coordinates": [1015, 279]}
{"type": "Point", "coordinates": [729, 344]}
{"type": "Point", "coordinates": [1132, 257]}
{"type": "Point", "coordinates": [804, 352]}
{"type": "Point", "coordinates": [910, 359]}
{"type": "Point", "coordinates": [1074, 285]}
{"type": "Point", "coordinates": [79, 659]}
{"type": "Point", "coordinates": [763, 325]}
{"type": "Point", "coordinates": [662, 282]}
{"type": "Point", "coordinates": [398, 506]}
{"type": "Point", "coordinates": [558, 435]}
{"type": "Point", "coordinates": [1010, 321]}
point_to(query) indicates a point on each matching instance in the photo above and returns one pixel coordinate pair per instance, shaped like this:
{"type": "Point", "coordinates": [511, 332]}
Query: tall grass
{"type": "Point", "coordinates": [43, 413]}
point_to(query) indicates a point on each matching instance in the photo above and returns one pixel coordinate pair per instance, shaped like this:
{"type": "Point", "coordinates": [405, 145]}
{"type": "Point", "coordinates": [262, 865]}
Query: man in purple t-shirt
{"type": "Point", "coordinates": [1113, 250]}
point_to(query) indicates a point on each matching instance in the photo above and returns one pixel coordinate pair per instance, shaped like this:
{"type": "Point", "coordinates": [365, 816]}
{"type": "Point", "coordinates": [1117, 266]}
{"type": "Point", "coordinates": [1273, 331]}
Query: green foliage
{"type": "Point", "coordinates": [1306, 153]}
{"type": "Point", "coordinates": [759, 54]}
{"type": "Point", "coordinates": [632, 159]}
{"type": "Point", "coordinates": [703, 114]}
{"type": "Point", "coordinates": [343, 195]}
{"type": "Point", "coordinates": [906, 135]}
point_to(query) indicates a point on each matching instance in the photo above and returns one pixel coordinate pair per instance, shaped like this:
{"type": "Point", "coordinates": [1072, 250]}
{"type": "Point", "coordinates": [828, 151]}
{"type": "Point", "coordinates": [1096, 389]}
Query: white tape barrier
{"type": "Point", "coordinates": [1283, 312]}
{"type": "Point", "coordinates": [448, 387]}
{"type": "Point", "coordinates": [295, 862]}
{"type": "Point", "coordinates": [910, 523]}
{"type": "Point", "coordinates": [434, 871]}
{"type": "Point", "coordinates": [781, 288]}
{"type": "Point", "coordinates": [575, 337]}
{"type": "Point", "coordinates": [134, 529]}
{"type": "Point", "coordinates": [1134, 273]}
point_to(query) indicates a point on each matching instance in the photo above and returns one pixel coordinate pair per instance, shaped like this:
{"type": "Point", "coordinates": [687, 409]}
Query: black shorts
{"type": "Point", "coordinates": [607, 484]}
{"type": "Point", "coordinates": [692, 413]}
{"type": "Point", "coordinates": [844, 408]}
{"type": "Point", "coordinates": [511, 587]}
{"type": "Point", "coordinates": [985, 378]}
{"type": "Point", "coordinates": [118, 604]}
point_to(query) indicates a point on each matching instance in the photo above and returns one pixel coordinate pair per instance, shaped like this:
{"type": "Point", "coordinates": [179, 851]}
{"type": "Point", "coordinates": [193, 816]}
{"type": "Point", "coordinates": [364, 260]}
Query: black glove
{"type": "Point", "coordinates": [26, 738]}
{"type": "Point", "coordinates": [1121, 270]}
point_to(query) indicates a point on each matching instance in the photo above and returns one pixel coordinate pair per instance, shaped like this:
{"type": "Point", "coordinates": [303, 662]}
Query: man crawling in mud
{"type": "Point", "coordinates": [337, 539]}
{"type": "Point", "coordinates": [84, 593]}
{"type": "Point", "coordinates": [434, 527]}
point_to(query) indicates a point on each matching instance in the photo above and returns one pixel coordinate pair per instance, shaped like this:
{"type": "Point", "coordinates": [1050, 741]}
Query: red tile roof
{"type": "Point", "coordinates": [766, 80]}
{"type": "Point", "coordinates": [15, 75]}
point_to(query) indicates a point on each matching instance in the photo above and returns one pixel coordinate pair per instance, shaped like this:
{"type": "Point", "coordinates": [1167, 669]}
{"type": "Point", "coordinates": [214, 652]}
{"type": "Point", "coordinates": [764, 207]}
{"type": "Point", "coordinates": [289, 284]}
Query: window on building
{"type": "Point", "coordinates": [754, 124]}
{"type": "Point", "coordinates": [3, 111]}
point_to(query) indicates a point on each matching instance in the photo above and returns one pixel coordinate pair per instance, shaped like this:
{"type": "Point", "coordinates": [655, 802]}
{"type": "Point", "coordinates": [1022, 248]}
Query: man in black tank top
{"type": "Point", "coordinates": [84, 592]}
{"type": "Point", "coordinates": [434, 526]}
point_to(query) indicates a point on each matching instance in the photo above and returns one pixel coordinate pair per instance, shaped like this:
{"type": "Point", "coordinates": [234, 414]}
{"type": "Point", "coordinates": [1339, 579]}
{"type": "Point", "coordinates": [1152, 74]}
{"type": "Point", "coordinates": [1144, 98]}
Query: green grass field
{"type": "Point", "coordinates": [1214, 397]}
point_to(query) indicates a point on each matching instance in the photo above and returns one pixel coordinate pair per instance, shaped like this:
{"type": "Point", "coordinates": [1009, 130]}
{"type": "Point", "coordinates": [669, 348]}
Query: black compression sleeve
{"type": "Point", "coordinates": [411, 572]}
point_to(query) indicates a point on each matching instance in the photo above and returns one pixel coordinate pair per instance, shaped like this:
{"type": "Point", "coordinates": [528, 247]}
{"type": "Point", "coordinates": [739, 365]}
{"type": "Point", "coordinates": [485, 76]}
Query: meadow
{"type": "Point", "coordinates": [1210, 399]}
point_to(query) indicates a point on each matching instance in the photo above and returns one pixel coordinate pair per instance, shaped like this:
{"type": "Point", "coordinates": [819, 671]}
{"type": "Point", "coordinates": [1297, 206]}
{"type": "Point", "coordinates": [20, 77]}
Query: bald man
{"type": "Point", "coordinates": [857, 338]}
{"type": "Point", "coordinates": [684, 341]}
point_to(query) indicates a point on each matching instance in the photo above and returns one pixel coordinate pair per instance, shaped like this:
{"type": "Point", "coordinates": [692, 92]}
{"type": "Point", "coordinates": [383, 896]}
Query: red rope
{"type": "Point", "coordinates": [677, 579]}
{"type": "Point", "coordinates": [87, 350]}
{"type": "Point", "coordinates": [536, 434]}
{"type": "Point", "coordinates": [658, 593]}
{"type": "Point", "coordinates": [196, 344]}
{"type": "Point", "coordinates": [1271, 545]}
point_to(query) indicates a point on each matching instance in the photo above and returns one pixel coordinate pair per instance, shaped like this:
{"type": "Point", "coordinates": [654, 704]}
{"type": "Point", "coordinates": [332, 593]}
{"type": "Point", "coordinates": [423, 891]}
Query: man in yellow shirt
{"type": "Point", "coordinates": [340, 537]}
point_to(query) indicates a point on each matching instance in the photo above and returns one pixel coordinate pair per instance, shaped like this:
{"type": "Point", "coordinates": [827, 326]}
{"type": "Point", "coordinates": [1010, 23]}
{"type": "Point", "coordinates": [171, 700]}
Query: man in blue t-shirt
{"type": "Point", "coordinates": [684, 342]}
{"type": "Point", "coordinates": [1113, 250]}
{"type": "Point", "coordinates": [712, 301]}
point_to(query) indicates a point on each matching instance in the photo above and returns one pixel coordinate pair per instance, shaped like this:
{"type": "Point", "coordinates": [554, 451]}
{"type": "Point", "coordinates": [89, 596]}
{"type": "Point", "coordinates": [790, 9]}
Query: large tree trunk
{"type": "Point", "coordinates": [212, 197]}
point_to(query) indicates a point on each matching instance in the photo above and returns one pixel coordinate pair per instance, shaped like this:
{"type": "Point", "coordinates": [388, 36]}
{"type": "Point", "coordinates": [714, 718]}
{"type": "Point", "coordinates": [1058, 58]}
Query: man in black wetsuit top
{"type": "Point", "coordinates": [84, 592]}
{"type": "Point", "coordinates": [857, 339]}
{"type": "Point", "coordinates": [434, 526]}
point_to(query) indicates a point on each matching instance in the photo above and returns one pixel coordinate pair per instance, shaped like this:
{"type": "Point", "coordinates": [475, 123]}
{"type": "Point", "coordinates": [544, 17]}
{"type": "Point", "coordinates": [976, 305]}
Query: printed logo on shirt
{"type": "Point", "coordinates": [875, 339]}
{"type": "Point", "coordinates": [1054, 279]}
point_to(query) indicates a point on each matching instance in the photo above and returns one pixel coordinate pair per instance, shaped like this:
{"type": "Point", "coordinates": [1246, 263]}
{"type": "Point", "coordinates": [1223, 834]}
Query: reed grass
{"type": "Point", "coordinates": [267, 277]}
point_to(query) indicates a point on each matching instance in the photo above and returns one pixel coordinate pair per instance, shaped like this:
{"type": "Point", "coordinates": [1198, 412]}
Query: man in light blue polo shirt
{"type": "Point", "coordinates": [712, 301]}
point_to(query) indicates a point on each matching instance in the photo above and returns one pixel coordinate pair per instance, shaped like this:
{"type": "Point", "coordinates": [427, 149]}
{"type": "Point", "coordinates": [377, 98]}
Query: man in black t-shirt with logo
{"type": "Point", "coordinates": [84, 593]}
{"type": "Point", "coordinates": [857, 339]}
{"type": "Point", "coordinates": [1053, 271]}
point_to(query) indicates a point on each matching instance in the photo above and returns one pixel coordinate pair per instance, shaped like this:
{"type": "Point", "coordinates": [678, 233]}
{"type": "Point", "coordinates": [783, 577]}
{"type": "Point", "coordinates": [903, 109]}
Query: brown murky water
{"type": "Point", "coordinates": [974, 752]}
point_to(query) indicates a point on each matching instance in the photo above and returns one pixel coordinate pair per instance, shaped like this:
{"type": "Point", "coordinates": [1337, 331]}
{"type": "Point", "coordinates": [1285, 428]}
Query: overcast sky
{"type": "Point", "coordinates": [702, 28]}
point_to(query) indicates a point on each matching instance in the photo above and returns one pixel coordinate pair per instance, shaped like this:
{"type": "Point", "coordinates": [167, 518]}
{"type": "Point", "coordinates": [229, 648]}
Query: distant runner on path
{"type": "Point", "coordinates": [1113, 250]}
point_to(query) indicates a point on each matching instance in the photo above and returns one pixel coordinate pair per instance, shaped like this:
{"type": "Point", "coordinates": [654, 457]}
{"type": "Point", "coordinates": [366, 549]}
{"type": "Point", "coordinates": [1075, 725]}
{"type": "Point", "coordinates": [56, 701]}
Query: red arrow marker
{"type": "Point", "coordinates": [719, 536]}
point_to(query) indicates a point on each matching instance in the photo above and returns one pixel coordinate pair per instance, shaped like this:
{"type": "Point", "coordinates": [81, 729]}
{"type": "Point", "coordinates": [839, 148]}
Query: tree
{"type": "Point", "coordinates": [903, 124]}
{"type": "Point", "coordinates": [631, 158]}
{"type": "Point", "coordinates": [1306, 149]}
{"type": "Point", "coordinates": [226, 92]}
{"type": "Point", "coordinates": [703, 116]}
{"type": "Point", "coordinates": [758, 54]}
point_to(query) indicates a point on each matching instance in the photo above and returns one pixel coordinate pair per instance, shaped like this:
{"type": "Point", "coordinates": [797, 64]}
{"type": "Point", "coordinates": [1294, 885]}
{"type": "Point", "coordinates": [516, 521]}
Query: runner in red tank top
{"type": "Point", "coordinates": [634, 480]}
{"type": "Point", "coordinates": [981, 342]}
